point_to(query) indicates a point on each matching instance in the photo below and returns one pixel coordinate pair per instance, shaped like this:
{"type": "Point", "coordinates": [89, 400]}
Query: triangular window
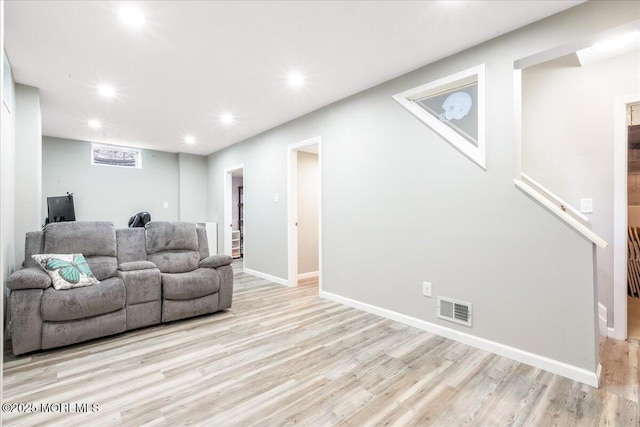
{"type": "Point", "coordinates": [453, 107]}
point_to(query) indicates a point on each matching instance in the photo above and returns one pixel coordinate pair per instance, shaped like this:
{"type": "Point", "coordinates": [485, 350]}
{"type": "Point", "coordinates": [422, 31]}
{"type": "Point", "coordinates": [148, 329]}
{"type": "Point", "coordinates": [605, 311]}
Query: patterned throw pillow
{"type": "Point", "coordinates": [67, 271]}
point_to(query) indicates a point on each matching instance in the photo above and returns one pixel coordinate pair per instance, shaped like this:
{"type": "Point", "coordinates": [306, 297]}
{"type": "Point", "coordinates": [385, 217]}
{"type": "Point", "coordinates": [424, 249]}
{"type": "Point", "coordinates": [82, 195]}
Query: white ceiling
{"type": "Point", "coordinates": [194, 61]}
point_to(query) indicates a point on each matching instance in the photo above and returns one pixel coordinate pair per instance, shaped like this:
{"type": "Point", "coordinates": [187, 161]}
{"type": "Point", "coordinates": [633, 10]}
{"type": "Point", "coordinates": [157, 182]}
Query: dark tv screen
{"type": "Point", "coordinates": [60, 208]}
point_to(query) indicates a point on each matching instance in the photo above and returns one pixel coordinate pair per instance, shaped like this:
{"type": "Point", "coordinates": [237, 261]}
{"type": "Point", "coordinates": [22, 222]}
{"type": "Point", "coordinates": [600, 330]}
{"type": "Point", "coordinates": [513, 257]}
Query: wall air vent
{"type": "Point", "coordinates": [455, 311]}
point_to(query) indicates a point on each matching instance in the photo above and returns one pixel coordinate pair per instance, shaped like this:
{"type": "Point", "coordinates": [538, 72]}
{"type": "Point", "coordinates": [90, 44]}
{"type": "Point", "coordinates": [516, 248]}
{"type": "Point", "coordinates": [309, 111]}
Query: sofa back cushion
{"type": "Point", "coordinates": [33, 244]}
{"type": "Point", "coordinates": [96, 240]}
{"type": "Point", "coordinates": [172, 246]}
{"type": "Point", "coordinates": [131, 244]}
{"type": "Point", "coordinates": [203, 243]}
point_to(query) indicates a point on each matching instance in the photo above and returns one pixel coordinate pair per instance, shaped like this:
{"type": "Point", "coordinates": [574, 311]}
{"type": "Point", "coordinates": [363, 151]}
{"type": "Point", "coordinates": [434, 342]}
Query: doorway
{"type": "Point", "coordinates": [626, 219]}
{"type": "Point", "coordinates": [233, 226]}
{"type": "Point", "coordinates": [304, 212]}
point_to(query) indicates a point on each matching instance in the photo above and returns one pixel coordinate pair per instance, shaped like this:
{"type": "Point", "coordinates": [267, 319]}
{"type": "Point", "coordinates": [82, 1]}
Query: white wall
{"type": "Point", "coordinates": [567, 139]}
{"type": "Point", "coordinates": [400, 206]}
{"type": "Point", "coordinates": [308, 197]}
{"type": "Point", "coordinates": [193, 187]}
{"type": "Point", "coordinates": [110, 193]}
{"type": "Point", "coordinates": [4, 117]}
{"type": "Point", "coordinates": [7, 181]}
{"type": "Point", "coordinates": [28, 166]}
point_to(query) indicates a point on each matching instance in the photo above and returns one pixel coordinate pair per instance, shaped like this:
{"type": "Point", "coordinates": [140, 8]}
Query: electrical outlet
{"type": "Point", "coordinates": [426, 289]}
{"type": "Point", "coordinates": [166, 205]}
{"type": "Point", "coordinates": [276, 197]}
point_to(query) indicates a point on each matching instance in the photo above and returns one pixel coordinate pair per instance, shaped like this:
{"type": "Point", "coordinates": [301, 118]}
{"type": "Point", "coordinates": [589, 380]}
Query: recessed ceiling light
{"type": "Point", "coordinates": [132, 16]}
{"type": "Point", "coordinates": [295, 79]}
{"type": "Point", "coordinates": [106, 91]}
{"type": "Point", "coordinates": [226, 118]}
{"type": "Point", "coordinates": [95, 124]}
{"type": "Point", "coordinates": [617, 43]}
{"type": "Point", "coordinates": [189, 139]}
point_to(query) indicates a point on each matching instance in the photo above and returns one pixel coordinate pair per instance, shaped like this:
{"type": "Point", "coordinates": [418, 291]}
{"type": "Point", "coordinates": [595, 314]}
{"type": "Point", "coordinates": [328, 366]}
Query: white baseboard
{"type": "Point", "coordinates": [602, 320]}
{"type": "Point", "coordinates": [307, 275]}
{"type": "Point", "coordinates": [612, 333]}
{"type": "Point", "coordinates": [554, 366]}
{"type": "Point", "coordinates": [266, 276]}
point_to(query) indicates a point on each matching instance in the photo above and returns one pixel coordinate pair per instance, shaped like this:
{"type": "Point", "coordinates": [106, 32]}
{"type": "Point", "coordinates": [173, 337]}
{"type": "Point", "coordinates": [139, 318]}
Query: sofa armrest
{"type": "Point", "coordinates": [29, 278]}
{"type": "Point", "coordinates": [225, 293]}
{"type": "Point", "coordinates": [136, 265]}
{"type": "Point", "coordinates": [215, 261]}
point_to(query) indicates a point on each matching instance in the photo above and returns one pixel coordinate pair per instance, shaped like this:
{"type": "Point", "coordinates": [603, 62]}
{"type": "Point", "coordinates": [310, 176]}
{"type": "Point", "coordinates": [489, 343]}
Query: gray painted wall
{"type": "Point", "coordinates": [110, 193]}
{"type": "Point", "coordinates": [28, 165]}
{"type": "Point", "coordinates": [567, 139]}
{"type": "Point", "coordinates": [265, 219]}
{"type": "Point", "coordinates": [193, 187]}
{"type": "Point", "coordinates": [400, 205]}
{"type": "Point", "coordinates": [308, 197]}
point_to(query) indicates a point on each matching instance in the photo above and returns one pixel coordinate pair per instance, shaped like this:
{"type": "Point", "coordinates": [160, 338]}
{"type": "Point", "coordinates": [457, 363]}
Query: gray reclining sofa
{"type": "Point", "coordinates": [159, 273]}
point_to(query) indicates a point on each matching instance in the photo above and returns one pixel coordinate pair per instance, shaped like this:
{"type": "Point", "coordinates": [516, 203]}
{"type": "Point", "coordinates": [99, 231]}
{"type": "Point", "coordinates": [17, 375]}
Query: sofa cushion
{"type": "Point", "coordinates": [56, 334]}
{"type": "Point", "coordinates": [171, 236]}
{"type": "Point", "coordinates": [175, 261]}
{"type": "Point", "coordinates": [90, 238]}
{"type": "Point", "coordinates": [172, 246]}
{"type": "Point", "coordinates": [67, 271]}
{"type": "Point", "coordinates": [174, 309]}
{"type": "Point", "coordinates": [79, 303]}
{"type": "Point", "coordinates": [131, 244]}
{"type": "Point", "coordinates": [96, 240]}
{"type": "Point", "coordinates": [103, 267]}
{"type": "Point", "coordinates": [194, 284]}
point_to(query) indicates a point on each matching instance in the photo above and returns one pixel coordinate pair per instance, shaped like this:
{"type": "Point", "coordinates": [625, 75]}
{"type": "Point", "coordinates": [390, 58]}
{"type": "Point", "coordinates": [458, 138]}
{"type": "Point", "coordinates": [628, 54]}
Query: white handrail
{"type": "Point", "coordinates": [577, 225]}
{"type": "Point", "coordinates": [563, 205]}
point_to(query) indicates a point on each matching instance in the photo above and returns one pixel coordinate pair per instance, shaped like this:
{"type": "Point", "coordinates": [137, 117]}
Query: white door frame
{"type": "Point", "coordinates": [292, 208]}
{"type": "Point", "coordinates": [619, 331]}
{"type": "Point", "coordinates": [228, 208]}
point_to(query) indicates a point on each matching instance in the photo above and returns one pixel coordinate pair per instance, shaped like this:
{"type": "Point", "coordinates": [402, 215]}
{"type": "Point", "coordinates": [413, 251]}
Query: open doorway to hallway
{"type": "Point", "coordinates": [233, 227]}
{"type": "Point", "coordinates": [632, 128]}
{"type": "Point", "coordinates": [626, 220]}
{"type": "Point", "coordinates": [304, 213]}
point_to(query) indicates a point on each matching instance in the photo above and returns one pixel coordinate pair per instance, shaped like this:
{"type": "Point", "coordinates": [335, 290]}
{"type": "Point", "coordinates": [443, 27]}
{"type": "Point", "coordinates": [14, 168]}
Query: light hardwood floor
{"type": "Point", "coordinates": [282, 356]}
{"type": "Point", "coordinates": [633, 318]}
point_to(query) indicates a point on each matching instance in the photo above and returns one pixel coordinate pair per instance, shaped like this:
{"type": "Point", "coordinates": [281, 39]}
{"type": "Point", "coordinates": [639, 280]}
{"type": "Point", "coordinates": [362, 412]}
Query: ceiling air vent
{"type": "Point", "coordinates": [454, 311]}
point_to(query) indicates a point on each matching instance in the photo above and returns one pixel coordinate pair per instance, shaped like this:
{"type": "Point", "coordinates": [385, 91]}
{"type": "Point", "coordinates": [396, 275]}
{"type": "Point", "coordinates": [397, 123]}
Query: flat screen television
{"type": "Point", "coordinates": [60, 208]}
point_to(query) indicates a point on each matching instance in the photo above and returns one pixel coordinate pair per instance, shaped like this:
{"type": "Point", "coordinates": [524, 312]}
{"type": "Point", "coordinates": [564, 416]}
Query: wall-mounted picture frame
{"type": "Point", "coordinates": [112, 155]}
{"type": "Point", "coordinates": [453, 107]}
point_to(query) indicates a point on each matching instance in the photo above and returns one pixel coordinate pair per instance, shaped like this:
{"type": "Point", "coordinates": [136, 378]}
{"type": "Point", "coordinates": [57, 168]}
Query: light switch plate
{"type": "Point", "coordinates": [426, 289]}
{"type": "Point", "coordinates": [586, 205]}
